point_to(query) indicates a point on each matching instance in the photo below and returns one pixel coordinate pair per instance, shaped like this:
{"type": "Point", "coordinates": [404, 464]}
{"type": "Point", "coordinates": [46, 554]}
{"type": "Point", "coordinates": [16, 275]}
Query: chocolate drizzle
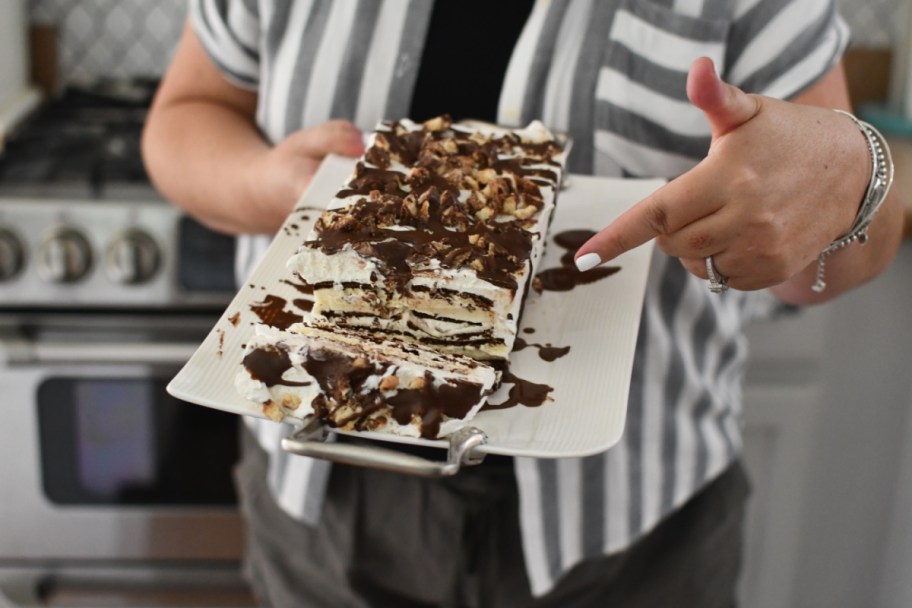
{"type": "Point", "coordinates": [271, 311]}
{"type": "Point", "coordinates": [567, 276]}
{"type": "Point", "coordinates": [522, 392]}
{"type": "Point", "coordinates": [547, 352]}
{"type": "Point", "coordinates": [367, 180]}
{"type": "Point", "coordinates": [446, 208]}
{"type": "Point", "coordinates": [495, 250]}
{"type": "Point", "coordinates": [268, 364]}
{"type": "Point", "coordinates": [346, 402]}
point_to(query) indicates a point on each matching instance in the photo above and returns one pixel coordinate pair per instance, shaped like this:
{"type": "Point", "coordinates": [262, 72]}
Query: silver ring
{"type": "Point", "coordinates": [718, 282]}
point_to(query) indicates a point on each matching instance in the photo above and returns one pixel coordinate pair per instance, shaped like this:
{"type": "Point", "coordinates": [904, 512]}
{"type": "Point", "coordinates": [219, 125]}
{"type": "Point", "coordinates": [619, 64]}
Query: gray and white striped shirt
{"type": "Point", "coordinates": [612, 74]}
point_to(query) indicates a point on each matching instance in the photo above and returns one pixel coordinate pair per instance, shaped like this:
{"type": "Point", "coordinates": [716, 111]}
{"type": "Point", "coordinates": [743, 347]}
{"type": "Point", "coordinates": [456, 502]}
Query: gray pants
{"type": "Point", "coordinates": [389, 540]}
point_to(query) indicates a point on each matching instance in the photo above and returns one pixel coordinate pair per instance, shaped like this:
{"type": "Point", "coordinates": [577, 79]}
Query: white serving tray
{"type": "Point", "coordinates": [598, 321]}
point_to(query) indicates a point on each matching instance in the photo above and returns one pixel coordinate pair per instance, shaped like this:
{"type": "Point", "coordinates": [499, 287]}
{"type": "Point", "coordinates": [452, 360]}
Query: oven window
{"type": "Point", "coordinates": [125, 441]}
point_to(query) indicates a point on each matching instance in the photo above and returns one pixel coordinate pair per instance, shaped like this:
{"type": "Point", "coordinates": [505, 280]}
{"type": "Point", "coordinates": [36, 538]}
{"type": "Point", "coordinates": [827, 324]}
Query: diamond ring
{"type": "Point", "coordinates": [717, 281]}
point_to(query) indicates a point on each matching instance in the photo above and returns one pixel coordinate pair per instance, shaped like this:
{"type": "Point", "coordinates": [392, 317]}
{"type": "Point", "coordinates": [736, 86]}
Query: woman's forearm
{"type": "Point", "coordinates": [855, 264]}
{"type": "Point", "coordinates": [203, 156]}
{"type": "Point", "coordinates": [852, 265]}
{"type": "Point", "coordinates": [205, 153]}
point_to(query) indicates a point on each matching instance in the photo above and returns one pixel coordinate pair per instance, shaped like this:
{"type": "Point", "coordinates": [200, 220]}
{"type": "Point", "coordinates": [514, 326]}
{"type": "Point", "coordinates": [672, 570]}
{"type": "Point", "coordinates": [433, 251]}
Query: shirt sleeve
{"type": "Point", "coordinates": [781, 47]}
{"type": "Point", "coordinates": [229, 32]}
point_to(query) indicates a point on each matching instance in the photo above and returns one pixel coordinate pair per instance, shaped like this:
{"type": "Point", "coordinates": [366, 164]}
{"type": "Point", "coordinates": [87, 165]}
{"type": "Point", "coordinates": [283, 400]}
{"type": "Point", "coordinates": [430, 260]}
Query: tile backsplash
{"type": "Point", "coordinates": [123, 38]}
{"type": "Point", "coordinates": [111, 38]}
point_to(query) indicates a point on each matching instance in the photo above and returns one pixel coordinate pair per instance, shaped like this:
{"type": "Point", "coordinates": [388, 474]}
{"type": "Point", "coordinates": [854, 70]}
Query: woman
{"type": "Point", "coordinates": [259, 91]}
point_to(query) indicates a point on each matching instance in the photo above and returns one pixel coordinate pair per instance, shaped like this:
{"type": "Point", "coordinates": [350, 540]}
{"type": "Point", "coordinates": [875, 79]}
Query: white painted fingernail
{"type": "Point", "coordinates": [588, 261]}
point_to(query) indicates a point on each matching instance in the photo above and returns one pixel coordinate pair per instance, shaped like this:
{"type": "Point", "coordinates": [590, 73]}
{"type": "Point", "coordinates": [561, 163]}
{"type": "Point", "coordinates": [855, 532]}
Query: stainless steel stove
{"type": "Point", "coordinates": [112, 488]}
{"type": "Point", "coordinates": [80, 223]}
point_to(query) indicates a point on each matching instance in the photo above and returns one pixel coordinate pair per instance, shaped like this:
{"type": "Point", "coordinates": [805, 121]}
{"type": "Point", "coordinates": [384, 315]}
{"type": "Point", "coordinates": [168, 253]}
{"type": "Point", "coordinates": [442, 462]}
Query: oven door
{"type": "Point", "coordinates": [97, 461]}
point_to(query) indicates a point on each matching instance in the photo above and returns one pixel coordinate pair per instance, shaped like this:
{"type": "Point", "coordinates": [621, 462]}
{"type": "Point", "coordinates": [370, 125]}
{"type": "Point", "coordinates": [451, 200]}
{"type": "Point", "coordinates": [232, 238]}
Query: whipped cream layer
{"type": "Point", "coordinates": [436, 235]}
{"type": "Point", "coordinates": [358, 381]}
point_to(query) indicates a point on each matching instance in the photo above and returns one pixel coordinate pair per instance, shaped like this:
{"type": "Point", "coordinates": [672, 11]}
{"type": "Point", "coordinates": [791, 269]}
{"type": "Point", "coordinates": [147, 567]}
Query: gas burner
{"type": "Point", "coordinates": [85, 142]}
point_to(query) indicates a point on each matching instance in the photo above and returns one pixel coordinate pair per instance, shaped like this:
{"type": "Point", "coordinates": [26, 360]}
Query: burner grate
{"type": "Point", "coordinates": [87, 138]}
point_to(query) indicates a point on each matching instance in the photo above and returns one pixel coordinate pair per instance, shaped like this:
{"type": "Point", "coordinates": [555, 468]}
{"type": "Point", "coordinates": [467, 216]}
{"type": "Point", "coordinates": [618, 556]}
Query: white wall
{"type": "Point", "coordinates": [829, 441]}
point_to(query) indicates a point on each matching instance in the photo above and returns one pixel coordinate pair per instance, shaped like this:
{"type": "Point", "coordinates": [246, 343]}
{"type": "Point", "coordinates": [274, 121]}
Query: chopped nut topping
{"type": "Point", "coordinates": [343, 415]}
{"type": "Point", "coordinates": [449, 146]}
{"type": "Point", "coordinates": [486, 176]}
{"type": "Point", "coordinates": [466, 199]}
{"type": "Point", "coordinates": [273, 411]}
{"type": "Point", "coordinates": [418, 175]}
{"type": "Point", "coordinates": [409, 203]}
{"type": "Point", "coordinates": [291, 401]}
{"type": "Point", "coordinates": [476, 201]}
{"type": "Point", "coordinates": [525, 212]}
{"type": "Point", "coordinates": [381, 141]}
{"type": "Point", "coordinates": [377, 156]}
{"type": "Point", "coordinates": [376, 422]}
{"type": "Point", "coordinates": [389, 383]}
{"type": "Point", "coordinates": [438, 123]}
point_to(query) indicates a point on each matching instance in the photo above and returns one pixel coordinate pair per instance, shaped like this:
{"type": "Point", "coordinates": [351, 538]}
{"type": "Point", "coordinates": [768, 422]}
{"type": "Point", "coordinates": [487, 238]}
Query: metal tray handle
{"type": "Point", "coordinates": [310, 440]}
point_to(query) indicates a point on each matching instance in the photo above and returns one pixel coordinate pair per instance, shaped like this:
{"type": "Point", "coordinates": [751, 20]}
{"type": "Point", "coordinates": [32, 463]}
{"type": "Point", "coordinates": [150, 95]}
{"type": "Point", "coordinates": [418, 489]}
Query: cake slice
{"type": "Point", "coordinates": [436, 236]}
{"type": "Point", "coordinates": [355, 381]}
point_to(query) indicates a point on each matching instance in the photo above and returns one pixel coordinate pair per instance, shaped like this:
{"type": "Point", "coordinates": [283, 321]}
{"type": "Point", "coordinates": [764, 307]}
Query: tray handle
{"type": "Point", "coordinates": [310, 440]}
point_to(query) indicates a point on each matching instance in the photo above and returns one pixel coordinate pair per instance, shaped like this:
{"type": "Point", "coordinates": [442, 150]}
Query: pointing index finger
{"type": "Point", "coordinates": [668, 209]}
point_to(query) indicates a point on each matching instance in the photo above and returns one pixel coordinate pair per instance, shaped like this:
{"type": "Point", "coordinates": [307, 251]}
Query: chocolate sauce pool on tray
{"type": "Point", "coordinates": [523, 392]}
{"type": "Point", "coordinates": [566, 277]}
{"type": "Point", "coordinates": [268, 365]}
{"type": "Point", "coordinates": [271, 311]}
{"type": "Point", "coordinates": [547, 352]}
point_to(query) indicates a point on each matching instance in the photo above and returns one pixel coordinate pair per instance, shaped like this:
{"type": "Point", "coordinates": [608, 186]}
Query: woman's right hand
{"type": "Point", "coordinates": [279, 177]}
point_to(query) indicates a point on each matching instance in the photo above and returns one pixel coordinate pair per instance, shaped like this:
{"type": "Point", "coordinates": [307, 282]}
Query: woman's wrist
{"type": "Point", "coordinates": [879, 177]}
{"type": "Point", "coordinates": [269, 192]}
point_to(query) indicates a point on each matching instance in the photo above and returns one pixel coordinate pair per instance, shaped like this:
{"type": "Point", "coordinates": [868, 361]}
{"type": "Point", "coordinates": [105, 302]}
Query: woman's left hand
{"type": "Point", "coordinates": [781, 181]}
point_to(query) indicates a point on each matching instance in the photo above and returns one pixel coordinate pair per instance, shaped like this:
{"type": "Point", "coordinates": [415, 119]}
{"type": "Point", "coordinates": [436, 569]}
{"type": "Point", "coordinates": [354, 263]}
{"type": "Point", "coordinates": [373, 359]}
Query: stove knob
{"type": "Point", "coordinates": [12, 254]}
{"type": "Point", "coordinates": [132, 258]}
{"type": "Point", "coordinates": [65, 256]}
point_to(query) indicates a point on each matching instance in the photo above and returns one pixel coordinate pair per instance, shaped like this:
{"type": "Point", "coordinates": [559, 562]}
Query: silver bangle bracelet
{"type": "Point", "coordinates": [876, 193]}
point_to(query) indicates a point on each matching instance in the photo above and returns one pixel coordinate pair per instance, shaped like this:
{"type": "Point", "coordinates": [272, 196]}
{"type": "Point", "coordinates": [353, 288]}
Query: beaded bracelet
{"type": "Point", "coordinates": [878, 187]}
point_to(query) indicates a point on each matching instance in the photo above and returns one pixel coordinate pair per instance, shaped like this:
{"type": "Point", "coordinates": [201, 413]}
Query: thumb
{"type": "Point", "coordinates": [331, 137]}
{"type": "Point", "coordinates": [726, 106]}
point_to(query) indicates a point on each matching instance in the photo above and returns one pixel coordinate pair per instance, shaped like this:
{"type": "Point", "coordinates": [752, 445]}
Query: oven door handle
{"type": "Point", "coordinates": [26, 352]}
{"type": "Point", "coordinates": [139, 584]}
